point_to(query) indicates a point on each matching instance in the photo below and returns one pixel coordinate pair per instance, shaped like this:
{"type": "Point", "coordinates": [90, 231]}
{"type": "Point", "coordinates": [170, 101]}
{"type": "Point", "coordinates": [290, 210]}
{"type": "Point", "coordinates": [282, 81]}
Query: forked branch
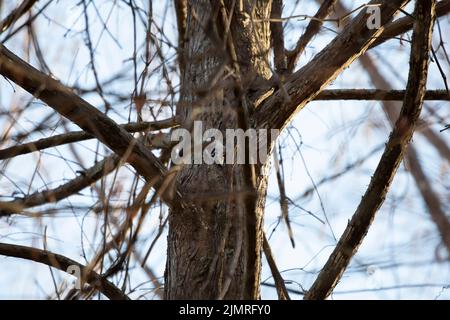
{"type": "Point", "coordinates": [304, 85]}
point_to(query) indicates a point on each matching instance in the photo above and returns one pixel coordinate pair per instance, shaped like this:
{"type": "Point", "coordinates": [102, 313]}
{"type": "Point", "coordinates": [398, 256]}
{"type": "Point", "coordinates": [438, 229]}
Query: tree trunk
{"type": "Point", "coordinates": [214, 245]}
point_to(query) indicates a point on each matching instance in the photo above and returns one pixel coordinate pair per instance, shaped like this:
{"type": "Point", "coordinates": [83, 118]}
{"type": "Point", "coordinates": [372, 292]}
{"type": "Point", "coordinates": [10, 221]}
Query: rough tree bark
{"type": "Point", "coordinates": [214, 246]}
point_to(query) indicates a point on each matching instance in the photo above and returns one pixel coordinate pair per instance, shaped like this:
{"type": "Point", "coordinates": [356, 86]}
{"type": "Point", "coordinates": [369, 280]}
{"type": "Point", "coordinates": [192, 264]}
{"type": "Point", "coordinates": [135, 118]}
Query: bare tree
{"type": "Point", "coordinates": [229, 69]}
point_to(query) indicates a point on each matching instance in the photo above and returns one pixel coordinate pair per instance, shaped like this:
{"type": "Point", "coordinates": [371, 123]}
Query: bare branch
{"type": "Point", "coordinates": [68, 104]}
{"type": "Point", "coordinates": [16, 14]}
{"type": "Point", "coordinates": [181, 13]}
{"type": "Point", "coordinates": [302, 86]}
{"type": "Point", "coordinates": [312, 29]}
{"type": "Point", "coordinates": [405, 24]}
{"type": "Point", "coordinates": [377, 95]}
{"type": "Point", "coordinates": [277, 35]}
{"type": "Point", "coordinates": [279, 281]}
{"type": "Point", "coordinates": [284, 204]}
{"type": "Point", "coordinates": [77, 136]}
{"type": "Point", "coordinates": [391, 110]}
{"type": "Point", "coordinates": [63, 263]}
{"type": "Point", "coordinates": [390, 160]}
{"type": "Point", "coordinates": [65, 190]}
